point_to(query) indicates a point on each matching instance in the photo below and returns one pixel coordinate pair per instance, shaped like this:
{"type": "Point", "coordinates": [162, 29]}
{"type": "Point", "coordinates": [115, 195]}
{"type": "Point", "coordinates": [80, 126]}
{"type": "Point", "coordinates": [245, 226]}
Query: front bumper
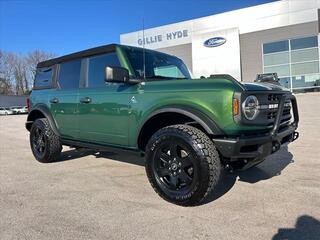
{"type": "Point", "coordinates": [251, 150]}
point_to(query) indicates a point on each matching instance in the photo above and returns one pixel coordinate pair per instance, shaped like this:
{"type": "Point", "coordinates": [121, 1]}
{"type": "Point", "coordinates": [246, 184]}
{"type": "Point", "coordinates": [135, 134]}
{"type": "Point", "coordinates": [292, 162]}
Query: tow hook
{"type": "Point", "coordinates": [295, 136]}
{"type": "Point", "coordinates": [229, 168]}
{"type": "Point", "coordinates": [275, 146]}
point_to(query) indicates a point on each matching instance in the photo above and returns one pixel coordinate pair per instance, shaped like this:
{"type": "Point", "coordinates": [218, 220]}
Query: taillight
{"type": "Point", "coordinates": [28, 103]}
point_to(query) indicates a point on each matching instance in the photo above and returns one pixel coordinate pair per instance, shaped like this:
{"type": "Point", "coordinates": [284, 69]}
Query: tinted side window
{"type": "Point", "coordinates": [43, 78]}
{"type": "Point", "coordinates": [168, 71]}
{"type": "Point", "coordinates": [96, 71]}
{"type": "Point", "coordinates": [69, 74]}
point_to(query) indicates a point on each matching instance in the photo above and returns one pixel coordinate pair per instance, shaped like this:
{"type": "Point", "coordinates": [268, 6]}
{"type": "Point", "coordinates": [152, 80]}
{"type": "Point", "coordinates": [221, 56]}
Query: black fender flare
{"type": "Point", "coordinates": [208, 124]}
{"type": "Point", "coordinates": [46, 113]}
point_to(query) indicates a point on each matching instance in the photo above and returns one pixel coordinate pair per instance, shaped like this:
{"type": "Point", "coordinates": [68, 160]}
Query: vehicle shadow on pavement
{"type": "Point", "coordinates": [306, 227]}
{"type": "Point", "coordinates": [271, 167]}
{"type": "Point", "coordinates": [226, 182]}
{"type": "Point", "coordinates": [126, 157]}
{"type": "Point", "coordinates": [83, 152]}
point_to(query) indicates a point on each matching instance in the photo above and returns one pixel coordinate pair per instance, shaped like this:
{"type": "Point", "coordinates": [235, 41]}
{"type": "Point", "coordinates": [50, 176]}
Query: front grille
{"type": "Point", "coordinates": [269, 104]}
{"type": "Point", "coordinates": [271, 114]}
{"type": "Point", "coordinates": [273, 98]}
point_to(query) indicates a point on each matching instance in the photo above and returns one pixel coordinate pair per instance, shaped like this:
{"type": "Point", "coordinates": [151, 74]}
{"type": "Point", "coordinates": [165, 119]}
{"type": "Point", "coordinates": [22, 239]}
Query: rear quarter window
{"type": "Point", "coordinates": [43, 78]}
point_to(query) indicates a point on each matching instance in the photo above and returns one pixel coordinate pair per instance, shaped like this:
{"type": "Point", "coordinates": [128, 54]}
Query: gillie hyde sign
{"type": "Point", "coordinates": [170, 36]}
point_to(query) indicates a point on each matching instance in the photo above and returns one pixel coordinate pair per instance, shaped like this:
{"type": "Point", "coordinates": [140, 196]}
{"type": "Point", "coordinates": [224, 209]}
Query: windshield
{"type": "Point", "coordinates": [158, 66]}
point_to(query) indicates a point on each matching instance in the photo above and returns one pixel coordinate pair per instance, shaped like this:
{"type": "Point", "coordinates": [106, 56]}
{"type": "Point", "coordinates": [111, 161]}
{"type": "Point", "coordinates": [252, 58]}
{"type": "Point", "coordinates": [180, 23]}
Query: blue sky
{"type": "Point", "coordinates": [64, 26]}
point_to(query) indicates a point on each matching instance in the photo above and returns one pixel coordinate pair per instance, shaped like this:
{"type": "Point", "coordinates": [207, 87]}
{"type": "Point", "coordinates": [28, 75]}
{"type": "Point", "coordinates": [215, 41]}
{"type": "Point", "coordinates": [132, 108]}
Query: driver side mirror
{"type": "Point", "coordinates": [116, 74]}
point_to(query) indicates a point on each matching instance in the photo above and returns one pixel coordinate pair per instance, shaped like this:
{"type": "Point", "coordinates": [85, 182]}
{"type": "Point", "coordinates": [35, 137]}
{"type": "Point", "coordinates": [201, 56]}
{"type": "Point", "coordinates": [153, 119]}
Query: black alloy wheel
{"type": "Point", "coordinates": [182, 164]}
{"type": "Point", "coordinates": [174, 166]}
{"type": "Point", "coordinates": [38, 142]}
{"type": "Point", "coordinates": [45, 144]}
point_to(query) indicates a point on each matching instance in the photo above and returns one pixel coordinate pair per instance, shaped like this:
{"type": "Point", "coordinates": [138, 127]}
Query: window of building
{"type": "Point", "coordinates": [301, 43]}
{"type": "Point", "coordinates": [43, 78]}
{"type": "Point", "coordinates": [296, 61]}
{"type": "Point", "coordinates": [276, 58]}
{"type": "Point", "coordinates": [305, 68]}
{"type": "Point", "coordinates": [304, 55]}
{"type": "Point", "coordinates": [281, 70]}
{"type": "Point", "coordinates": [306, 81]}
{"type": "Point", "coordinates": [96, 71]}
{"type": "Point", "coordinates": [69, 74]}
{"type": "Point", "coordinates": [276, 47]}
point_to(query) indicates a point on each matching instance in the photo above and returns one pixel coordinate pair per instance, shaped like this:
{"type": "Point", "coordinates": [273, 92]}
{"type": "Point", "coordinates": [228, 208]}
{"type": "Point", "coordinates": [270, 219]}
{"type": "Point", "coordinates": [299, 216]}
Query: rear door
{"type": "Point", "coordinates": [103, 107]}
{"type": "Point", "coordinates": [64, 100]}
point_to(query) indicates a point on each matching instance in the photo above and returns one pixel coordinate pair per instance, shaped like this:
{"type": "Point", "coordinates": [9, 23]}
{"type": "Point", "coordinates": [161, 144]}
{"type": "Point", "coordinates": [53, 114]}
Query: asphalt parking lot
{"type": "Point", "coordinates": [89, 195]}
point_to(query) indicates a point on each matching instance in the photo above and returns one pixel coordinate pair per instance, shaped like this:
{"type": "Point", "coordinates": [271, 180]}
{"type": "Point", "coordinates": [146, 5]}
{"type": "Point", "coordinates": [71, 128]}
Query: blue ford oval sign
{"type": "Point", "coordinates": [214, 42]}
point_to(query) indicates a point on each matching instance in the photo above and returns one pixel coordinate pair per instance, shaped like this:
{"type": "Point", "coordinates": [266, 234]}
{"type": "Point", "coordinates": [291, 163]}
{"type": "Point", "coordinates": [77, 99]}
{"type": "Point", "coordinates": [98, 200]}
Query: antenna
{"type": "Point", "coordinates": [143, 51]}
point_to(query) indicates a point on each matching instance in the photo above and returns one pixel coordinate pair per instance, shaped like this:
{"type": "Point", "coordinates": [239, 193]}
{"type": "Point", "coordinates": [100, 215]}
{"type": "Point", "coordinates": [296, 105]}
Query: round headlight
{"type": "Point", "coordinates": [250, 107]}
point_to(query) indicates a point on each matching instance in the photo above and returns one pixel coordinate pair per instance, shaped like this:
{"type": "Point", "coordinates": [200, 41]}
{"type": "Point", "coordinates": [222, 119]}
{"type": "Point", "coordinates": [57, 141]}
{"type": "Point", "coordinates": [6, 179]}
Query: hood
{"type": "Point", "coordinates": [263, 87]}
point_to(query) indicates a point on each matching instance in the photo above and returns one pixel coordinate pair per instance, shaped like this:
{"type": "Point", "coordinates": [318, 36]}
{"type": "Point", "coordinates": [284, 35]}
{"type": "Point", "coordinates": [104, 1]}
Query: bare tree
{"type": "Point", "coordinates": [5, 88]}
{"type": "Point", "coordinates": [33, 58]}
{"type": "Point", "coordinates": [20, 74]}
{"type": "Point", "coordinates": [17, 72]}
{"type": "Point", "coordinates": [14, 69]}
{"type": "Point", "coordinates": [6, 72]}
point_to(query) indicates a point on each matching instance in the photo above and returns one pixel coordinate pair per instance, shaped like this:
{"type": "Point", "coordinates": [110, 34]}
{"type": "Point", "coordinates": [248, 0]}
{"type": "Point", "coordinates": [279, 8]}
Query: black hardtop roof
{"type": "Point", "coordinates": [86, 53]}
{"type": "Point", "coordinates": [76, 55]}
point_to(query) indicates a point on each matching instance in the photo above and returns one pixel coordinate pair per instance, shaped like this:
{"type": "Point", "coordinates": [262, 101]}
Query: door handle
{"type": "Point", "coordinates": [54, 100]}
{"type": "Point", "coordinates": [85, 100]}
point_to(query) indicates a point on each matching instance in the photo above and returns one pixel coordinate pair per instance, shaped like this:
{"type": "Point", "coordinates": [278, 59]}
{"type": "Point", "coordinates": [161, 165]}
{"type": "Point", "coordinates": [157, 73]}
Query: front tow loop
{"type": "Point", "coordinates": [295, 136]}
{"type": "Point", "coordinates": [275, 146]}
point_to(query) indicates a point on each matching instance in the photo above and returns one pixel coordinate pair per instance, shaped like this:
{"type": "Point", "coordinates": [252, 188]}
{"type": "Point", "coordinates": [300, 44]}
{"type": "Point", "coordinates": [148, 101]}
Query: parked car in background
{"type": "Point", "coordinates": [15, 109]}
{"type": "Point", "coordinates": [19, 109]}
{"type": "Point", "coordinates": [25, 109]}
{"type": "Point", "coordinates": [5, 111]}
{"type": "Point", "coordinates": [9, 111]}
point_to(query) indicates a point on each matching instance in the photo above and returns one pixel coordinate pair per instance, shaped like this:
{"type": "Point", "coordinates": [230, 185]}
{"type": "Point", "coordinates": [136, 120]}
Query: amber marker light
{"type": "Point", "coordinates": [235, 107]}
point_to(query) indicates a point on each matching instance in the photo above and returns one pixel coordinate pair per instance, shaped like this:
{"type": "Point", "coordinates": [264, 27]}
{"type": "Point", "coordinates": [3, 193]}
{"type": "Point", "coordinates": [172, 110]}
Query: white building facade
{"type": "Point", "coordinates": [281, 37]}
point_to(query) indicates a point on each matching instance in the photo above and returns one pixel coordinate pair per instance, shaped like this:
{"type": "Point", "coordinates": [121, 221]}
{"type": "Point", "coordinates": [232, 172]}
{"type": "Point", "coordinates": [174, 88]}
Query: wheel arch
{"type": "Point", "coordinates": [171, 115]}
{"type": "Point", "coordinates": [41, 112]}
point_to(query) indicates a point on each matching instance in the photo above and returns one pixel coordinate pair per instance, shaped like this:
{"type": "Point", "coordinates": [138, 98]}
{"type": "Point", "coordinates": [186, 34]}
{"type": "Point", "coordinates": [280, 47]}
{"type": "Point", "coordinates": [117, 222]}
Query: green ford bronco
{"type": "Point", "coordinates": [118, 97]}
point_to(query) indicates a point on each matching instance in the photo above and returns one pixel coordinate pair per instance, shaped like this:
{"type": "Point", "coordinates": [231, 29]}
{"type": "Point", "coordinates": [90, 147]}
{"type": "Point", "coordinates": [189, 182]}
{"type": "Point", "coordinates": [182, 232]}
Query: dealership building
{"type": "Point", "coordinates": [281, 37]}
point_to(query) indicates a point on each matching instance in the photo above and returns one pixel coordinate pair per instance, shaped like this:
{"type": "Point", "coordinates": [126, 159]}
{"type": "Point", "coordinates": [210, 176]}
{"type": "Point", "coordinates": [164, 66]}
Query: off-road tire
{"type": "Point", "coordinates": [51, 143]}
{"type": "Point", "coordinates": [205, 157]}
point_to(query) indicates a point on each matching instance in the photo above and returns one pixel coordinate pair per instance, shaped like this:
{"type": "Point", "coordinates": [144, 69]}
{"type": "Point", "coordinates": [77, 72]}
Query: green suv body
{"type": "Point", "coordinates": [121, 97]}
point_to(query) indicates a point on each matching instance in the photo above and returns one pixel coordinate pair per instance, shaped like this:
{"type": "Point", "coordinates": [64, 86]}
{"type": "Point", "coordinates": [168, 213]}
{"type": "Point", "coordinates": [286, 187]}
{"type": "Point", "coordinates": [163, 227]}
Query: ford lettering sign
{"type": "Point", "coordinates": [214, 42]}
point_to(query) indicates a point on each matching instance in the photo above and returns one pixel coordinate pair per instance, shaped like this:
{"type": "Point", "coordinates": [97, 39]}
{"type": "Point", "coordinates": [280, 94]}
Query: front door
{"type": "Point", "coordinates": [103, 115]}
